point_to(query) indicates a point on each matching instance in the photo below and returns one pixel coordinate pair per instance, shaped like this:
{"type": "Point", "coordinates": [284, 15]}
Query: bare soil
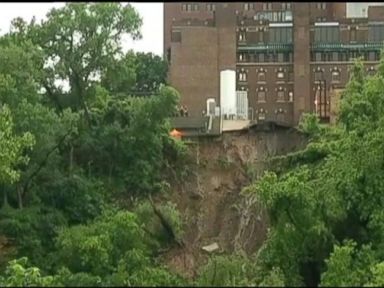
{"type": "Point", "coordinates": [210, 200]}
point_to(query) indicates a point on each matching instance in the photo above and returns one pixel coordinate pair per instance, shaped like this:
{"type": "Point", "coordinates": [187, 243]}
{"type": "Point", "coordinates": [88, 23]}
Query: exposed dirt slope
{"type": "Point", "coordinates": [210, 202]}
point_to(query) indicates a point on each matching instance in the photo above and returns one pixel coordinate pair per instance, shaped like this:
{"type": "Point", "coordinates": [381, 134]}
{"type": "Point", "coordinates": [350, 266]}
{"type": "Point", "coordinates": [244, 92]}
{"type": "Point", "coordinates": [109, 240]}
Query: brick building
{"type": "Point", "coordinates": [289, 58]}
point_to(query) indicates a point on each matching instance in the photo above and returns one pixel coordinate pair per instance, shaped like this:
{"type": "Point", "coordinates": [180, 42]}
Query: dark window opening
{"type": "Point", "coordinates": [248, 6]}
{"type": "Point", "coordinates": [242, 76]}
{"type": "Point", "coordinates": [318, 76]}
{"type": "Point", "coordinates": [335, 77]}
{"type": "Point", "coordinates": [352, 35]}
{"type": "Point", "coordinates": [280, 35]}
{"type": "Point", "coordinates": [169, 55]}
{"type": "Point", "coordinates": [325, 34]}
{"type": "Point", "coordinates": [376, 33]}
{"type": "Point", "coordinates": [211, 7]}
{"type": "Point", "coordinates": [261, 77]}
{"type": "Point", "coordinates": [280, 96]}
{"type": "Point", "coordinates": [261, 96]}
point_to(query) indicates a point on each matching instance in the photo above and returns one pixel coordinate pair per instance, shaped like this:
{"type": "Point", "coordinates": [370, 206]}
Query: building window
{"type": "Point", "coordinates": [261, 57]}
{"type": "Point", "coordinates": [371, 56]}
{"type": "Point", "coordinates": [280, 35]}
{"type": "Point", "coordinates": [261, 77]}
{"type": "Point", "coordinates": [211, 7]}
{"type": "Point", "coordinates": [242, 76]}
{"type": "Point", "coordinates": [195, 7]}
{"type": "Point", "coordinates": [169, 55]}
{"type": "Point", "coordinates": [248, 6]}
{"type": "Point", "coordinates": [321, 5]}
{"type": "Point", "coordinates": [376, 33]}
{"type": "Point", "coordinates": [176, 36]}
{"type": "Point", "coordinates": [335, 76]}
{"type": "Point", "coordinates": [371, 71]}
{"type": "Point", "coordinates": [242, 57]}
{"type": "Point", "coordinates": [318, 57]}
{"type": "Point", "coordinates": [325, 34]}
{"type": "Point", "coordinates": [285, 6]}
{"type": "Point", "coordinates": [280, 75]}
{"type": "Point", "coordinates": [241, 36]}
{"type": "Point", "coordinates": [273, 57]}
{"type": "Point", "coordinates": [335, 56]}
{"type": "Point", "coordinates": [262, 114]}
{"type": "Point", "coordinates": [353, 55]}
{"type": "Point", "coordinates": [318, 76]}
{"type": "Point", "coordinates": [352, 35]}
{"type": "Point", "coordinates": [261, 97]}
{"type": "Point", "coordinates": [290, 96]}
{"type": "Point", "coordinates": [261, 35]}
{"type": "Point", "coordinates": [280, 96]}
{"type": "Point", "coordinates": [187, 7]}
{"type": "Point", "coordinates": [290, 76]}
{"type": "Point", "coordinates": [267, 6]}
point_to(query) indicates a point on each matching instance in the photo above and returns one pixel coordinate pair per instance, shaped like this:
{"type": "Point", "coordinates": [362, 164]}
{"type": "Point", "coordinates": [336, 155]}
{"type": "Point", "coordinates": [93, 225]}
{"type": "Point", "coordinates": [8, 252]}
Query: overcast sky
{"type": "Point", "coordinates": [152, 29]}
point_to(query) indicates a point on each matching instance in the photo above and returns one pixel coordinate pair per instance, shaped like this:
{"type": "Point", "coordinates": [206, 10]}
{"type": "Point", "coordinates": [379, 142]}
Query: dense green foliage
{"type": "Point", "coordinates": [74, 162]}
{"type": "Point", "coordinates": [325, 203]}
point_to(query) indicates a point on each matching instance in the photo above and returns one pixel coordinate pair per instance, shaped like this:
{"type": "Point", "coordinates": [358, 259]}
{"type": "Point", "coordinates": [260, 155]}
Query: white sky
{"type": "Point", "coordinates": [152, 29]}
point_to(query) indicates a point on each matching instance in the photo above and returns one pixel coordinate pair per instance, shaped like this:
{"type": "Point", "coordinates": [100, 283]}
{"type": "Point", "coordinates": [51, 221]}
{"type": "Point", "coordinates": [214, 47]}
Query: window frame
{"type": "Point", "coordinates": [333, 79]}
{"type": "Point", "coordinates": [280, 96]}
{"type": "Point", "coordinates": [280, 73]}
{"type": "Point", "coordinates": [261, 77]}
{"type": "Point", "coordinates": [260, 98]}
{"type": "Point", "coordinates": [211, 7]}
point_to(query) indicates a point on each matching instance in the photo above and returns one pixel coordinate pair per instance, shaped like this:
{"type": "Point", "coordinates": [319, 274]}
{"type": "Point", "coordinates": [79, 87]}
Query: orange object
{"type": "Point", "coordinates": [176, 134]}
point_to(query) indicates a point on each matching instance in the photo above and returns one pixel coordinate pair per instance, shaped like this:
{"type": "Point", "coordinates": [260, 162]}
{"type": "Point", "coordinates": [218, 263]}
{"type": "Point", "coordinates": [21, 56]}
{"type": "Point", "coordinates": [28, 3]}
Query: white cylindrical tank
{"type": "Point", "coordinates": [228, 92]}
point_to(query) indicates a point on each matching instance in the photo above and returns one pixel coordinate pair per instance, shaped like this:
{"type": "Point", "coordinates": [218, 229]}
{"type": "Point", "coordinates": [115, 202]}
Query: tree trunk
{"type": "Point", "coordinates": [5, 201]}
{"type": "Point", "coordinates": [19, 197]}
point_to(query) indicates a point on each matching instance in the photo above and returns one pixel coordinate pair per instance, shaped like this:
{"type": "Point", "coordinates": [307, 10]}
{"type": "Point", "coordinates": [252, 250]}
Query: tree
{"type": "Point", "coordinates": [17, 275]}
{"type": "Point", "coordinates": [95, 145]}
{"type": "Point", "coordinates": [329, 193]}
{"type": "Point", "coordinates": [11, 148]}
{"type": "Point", "coordinates": [81, 40]}
{"type": "Point", "coordinates": [138, 74]}
{"type": "Point", "coordinates": [151, 72]}
{"type": "Point", "coordinates": [227, 270]}
{"type": "Point", "coordinates": [348, 266]}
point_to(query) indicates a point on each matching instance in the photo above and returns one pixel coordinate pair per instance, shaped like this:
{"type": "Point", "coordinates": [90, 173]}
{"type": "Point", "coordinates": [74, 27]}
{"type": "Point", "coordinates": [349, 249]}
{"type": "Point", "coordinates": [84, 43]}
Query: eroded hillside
{"type": "Point", "coordinates": [210, 199]}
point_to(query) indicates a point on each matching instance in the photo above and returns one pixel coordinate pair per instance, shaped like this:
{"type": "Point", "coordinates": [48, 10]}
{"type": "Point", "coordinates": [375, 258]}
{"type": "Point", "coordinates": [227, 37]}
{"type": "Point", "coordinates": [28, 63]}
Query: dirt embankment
{"type": "Point", "coordinates": [210, 200]}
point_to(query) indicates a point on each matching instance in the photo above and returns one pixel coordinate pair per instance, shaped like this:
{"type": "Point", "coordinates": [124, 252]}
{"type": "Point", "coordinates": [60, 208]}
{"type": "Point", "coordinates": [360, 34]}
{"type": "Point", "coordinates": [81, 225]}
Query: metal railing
{"type": "Point", "coordinates": [266, 46]}
{"type": "Point", "coordinates": [343, 46]}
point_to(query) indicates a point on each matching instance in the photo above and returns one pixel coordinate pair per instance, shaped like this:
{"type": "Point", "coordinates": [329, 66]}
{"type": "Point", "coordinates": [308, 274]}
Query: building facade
{"type": "Point", "coordinates": [289, 58]}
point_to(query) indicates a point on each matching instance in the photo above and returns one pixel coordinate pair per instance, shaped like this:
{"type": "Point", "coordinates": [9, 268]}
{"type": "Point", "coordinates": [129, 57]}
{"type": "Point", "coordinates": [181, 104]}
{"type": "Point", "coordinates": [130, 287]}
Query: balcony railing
{"type": "Point", "coordinates": [345, 46]}
{"type": "Point", "coordinates": [266, 47]}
